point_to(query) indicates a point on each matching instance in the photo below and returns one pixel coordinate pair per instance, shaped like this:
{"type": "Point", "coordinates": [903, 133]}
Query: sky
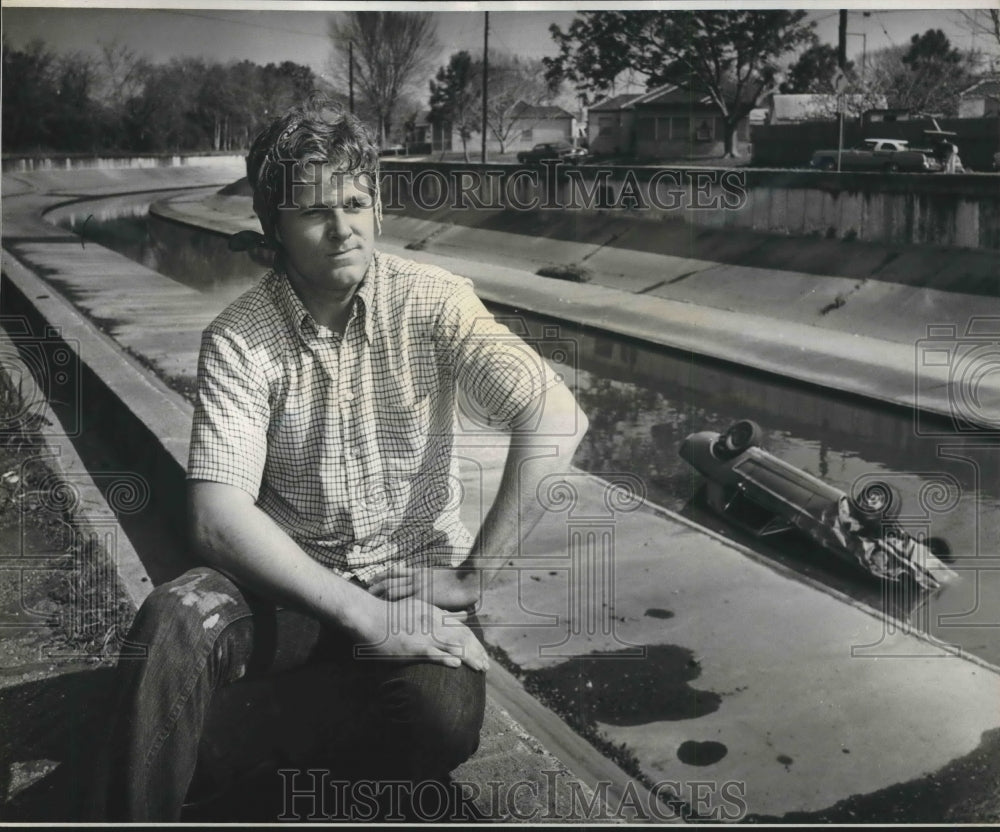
{"type": "Point", "coordinates": [250, 30]}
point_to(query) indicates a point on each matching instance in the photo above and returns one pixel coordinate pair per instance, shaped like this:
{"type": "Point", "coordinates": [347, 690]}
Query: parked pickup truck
{"type": "Point", "coordinates": [886, 155]}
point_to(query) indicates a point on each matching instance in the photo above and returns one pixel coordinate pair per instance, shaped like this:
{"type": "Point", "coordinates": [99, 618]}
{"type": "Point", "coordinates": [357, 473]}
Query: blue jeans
{"type": "Point", "coordinates": [202, 632]}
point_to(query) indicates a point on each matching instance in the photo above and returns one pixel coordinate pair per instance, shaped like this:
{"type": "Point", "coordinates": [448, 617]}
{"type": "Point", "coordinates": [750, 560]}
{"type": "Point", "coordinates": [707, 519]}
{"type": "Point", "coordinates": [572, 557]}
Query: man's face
{"type": "Point", "coordinates": [328, 232]}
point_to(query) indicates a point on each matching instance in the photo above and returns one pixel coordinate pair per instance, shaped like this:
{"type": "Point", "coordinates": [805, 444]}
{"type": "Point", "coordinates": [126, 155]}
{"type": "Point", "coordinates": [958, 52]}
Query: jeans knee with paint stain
{"type": "Point", "coordinates": [202, 632]}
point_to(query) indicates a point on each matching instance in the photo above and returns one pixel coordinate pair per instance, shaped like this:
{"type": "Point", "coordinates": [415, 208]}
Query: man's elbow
{"type": "Point", "coordinates": [564, 418]}
{"type": "Point", "coordinates": [209, 505]}
{"type": "Point", "coordinates": [581, 422]}
{"type": "Point", "coordinates": [203, 528]}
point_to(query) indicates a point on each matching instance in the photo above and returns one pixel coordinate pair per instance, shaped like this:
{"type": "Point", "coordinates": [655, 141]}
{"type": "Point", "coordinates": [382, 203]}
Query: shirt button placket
{"type": "Point", "coordinates": [353, 457]}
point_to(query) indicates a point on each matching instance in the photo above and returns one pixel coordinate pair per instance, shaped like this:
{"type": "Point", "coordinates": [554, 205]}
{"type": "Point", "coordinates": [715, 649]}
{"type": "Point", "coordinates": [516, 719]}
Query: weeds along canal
{"type": "Point", "coordinates": [643, 400]}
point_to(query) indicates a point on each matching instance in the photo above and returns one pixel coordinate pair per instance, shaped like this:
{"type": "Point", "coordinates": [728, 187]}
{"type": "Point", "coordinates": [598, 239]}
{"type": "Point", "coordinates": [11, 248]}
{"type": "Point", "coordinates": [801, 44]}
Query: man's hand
{"type": "Point", "coordinates": [413, 629]}
{"type": "Point", "coordinates": [447, 587]}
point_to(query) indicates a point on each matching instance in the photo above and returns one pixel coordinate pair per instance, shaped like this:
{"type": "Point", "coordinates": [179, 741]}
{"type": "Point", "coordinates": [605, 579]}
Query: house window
{"type": "Point", "coordinates": [663, 129]}
{"type": "Point", "coordinates": [704, 131]}
{"type": "Point", "coordinates": [680, 127]}
{"type": "Point", "coordinates": [526, 135]}
{"type": "Point", "coordinates": [605, 125]}
{"type": "Point", "coordinates": [645, 129]}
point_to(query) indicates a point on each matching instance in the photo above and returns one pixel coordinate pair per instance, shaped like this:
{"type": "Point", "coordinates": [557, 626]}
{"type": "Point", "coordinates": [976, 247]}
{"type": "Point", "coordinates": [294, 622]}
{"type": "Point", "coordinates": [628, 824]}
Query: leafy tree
{"type": "Point", "coordinates": [391, 51]}
{"type": "Point", "coordinates": [119, 100]}
{"type": "Point", "coordinates": [163, 117]}
{"type": "Point", "coordinates": [924, 76]}
{"type": "Point", "coordinates": [29, 88]}
{"type": "Point", "coordinates": [456, 96]}
{"type": "Point", "coordinates": [937, 73]}
{"type": "Point", "coordinates": [72, 125]}
{"type": "Point", "coordinates": [814, 71]}
{"type": "Point", "coordinates": [729, 55]}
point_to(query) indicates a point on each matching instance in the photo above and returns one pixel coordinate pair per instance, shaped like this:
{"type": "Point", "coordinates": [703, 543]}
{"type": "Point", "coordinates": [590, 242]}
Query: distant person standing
{"type": "Point", "coordinates": [947, 154]}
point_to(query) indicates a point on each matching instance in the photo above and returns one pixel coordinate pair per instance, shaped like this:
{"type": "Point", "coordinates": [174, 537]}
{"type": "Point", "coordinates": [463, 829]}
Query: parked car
{"type": "Point", "coordinates": [887, 155]}
{"type": "Point", "coordinates": [552, 150]}
{"type": "Point", "coordinates": [767, 495]}
{"type": "Point", "coordinates": [996, 161]}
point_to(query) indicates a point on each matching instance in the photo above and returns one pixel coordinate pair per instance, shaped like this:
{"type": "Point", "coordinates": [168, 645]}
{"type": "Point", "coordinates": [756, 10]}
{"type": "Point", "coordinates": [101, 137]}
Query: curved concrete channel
{"type": "Point", "coordinates": [787, 699]}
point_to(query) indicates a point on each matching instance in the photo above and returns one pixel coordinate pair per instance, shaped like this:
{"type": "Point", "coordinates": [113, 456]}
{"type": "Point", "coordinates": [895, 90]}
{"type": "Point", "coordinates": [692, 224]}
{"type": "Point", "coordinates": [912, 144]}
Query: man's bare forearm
{"type": "Point", "coordinates": [536, 452]}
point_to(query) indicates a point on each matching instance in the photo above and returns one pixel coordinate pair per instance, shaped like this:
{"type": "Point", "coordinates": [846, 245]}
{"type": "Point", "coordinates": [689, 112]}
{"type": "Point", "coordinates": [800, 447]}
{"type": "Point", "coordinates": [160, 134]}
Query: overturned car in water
{"type": "Point", "coordinates": [767, 495]}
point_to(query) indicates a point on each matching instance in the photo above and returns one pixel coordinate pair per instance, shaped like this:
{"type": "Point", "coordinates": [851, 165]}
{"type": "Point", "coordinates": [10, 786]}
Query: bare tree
{"type": "Point", "coordinates": [983, 23]}
{"type": "Point", "coordinates": [512, 84]}
{"type": "Point", "coordinates": [122, 74]}
{"type": "Point", "coordinates": [392, 52]}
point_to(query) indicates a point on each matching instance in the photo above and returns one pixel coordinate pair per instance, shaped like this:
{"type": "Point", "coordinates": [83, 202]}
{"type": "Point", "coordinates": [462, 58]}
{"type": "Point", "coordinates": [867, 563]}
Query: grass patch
{"type": "Point", "coordinates": [73, 581]}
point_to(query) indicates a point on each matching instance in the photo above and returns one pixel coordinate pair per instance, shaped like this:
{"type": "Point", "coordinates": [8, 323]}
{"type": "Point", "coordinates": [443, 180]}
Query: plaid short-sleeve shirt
{"type": "Point", "coordinates": [346, 441]}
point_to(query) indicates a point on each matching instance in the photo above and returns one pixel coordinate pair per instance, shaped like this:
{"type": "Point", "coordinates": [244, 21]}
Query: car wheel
{"type": "Point", "coordinates": [827, 164]}
{"type": "Point", "coordinates": [874, 502]}
{"type": "Point", "coordinates": [740, 436]}
{"type": "Point", "coordinates": [890, 167]}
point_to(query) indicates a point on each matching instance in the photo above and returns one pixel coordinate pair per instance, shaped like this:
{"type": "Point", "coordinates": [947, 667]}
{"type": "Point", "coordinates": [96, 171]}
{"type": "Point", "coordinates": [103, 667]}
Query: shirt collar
{"type": "Point", "coordinates": [301, 320]}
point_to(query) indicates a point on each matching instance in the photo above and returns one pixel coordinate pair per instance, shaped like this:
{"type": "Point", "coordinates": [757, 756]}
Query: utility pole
{"type": "Point", "coordinates": [486, 75]}
{"type": "Point", "coordinates": [842, 40]}
{"type": "Point", "coordinates": [350, 74]}
{"type": "Point", "coordinates": [841, 66]}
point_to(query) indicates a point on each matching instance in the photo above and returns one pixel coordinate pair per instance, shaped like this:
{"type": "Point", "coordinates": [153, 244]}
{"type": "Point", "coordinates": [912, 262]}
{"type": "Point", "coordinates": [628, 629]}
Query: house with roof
{"type": "Point", "coordinates": [981, 99]}
{"type": "Point", "coordinates": [424, 134]}
{"type": "Point", "coordinates": [531, 124]}
{"type": "Point", "coordinates": [525, 126]}
{"type": "Point", "coordinates": [666, 122]}
{"type": "Point", "coordinates": [610, 126]}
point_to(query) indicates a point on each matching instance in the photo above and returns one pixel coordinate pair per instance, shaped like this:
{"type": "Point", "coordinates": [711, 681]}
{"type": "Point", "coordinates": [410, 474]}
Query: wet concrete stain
{"type": "Point", "coordinates": [616, 689]}
{"type": "Point", "coordinates": [657, 612]}
{"type": "Point", "coordinates": [966, 790]}
{"type": "Point", "coordinates": [701, 753]}
{"type": "Point", "coordinates": [785, 760]}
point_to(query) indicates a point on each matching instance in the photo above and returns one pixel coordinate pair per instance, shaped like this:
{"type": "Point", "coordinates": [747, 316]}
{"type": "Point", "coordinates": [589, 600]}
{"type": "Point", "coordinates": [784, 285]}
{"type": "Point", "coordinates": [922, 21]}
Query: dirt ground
{"type": "Point", "coordinates": [62, 614]}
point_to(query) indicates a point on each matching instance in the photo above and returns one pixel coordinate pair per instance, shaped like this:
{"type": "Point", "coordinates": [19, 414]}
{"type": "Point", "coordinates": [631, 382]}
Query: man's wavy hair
{"type": "Point", "coordinates": [317, 131]}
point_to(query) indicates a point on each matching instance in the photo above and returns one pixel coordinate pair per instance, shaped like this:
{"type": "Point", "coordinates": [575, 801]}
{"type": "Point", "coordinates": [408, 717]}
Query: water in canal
{"type": "Point", "coordinates": [642, 401]}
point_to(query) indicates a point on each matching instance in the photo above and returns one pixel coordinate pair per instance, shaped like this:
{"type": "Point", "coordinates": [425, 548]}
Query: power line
{"type": "Point", "coordinates": [880, 23]}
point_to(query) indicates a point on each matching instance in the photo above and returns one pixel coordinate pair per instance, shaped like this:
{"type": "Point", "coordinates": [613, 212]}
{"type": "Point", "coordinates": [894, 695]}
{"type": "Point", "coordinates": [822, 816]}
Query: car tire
{"type": "Point", "coordinates": [875, 502]}
{"type": "Point", "coordinates": [890, 167]}
{"type": "Point", "coordinates": [740, 436]}
{"type": "Point", "coordinates": [827, 164]}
